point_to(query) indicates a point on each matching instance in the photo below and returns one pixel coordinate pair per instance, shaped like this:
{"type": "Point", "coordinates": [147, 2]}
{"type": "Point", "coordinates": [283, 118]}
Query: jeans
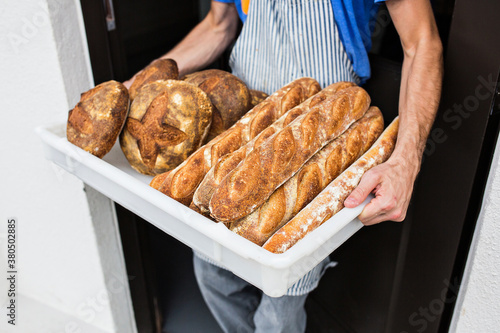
{"type": "Point", "coordinates": [240, 307]}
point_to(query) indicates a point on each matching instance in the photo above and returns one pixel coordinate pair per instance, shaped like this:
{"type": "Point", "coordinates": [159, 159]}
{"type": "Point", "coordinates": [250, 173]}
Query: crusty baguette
{"type": "Point", "coordinates": [331, 200]}
{"type": "Point", "coordinates": [196, 209]}
{"type": "Point", "coordinates": [257, 96]}
{"type": "Point", "coordinates": [181, 182]}
{"type": "Point", "coordinates": [311, 179]}
{"type": "Point", "coordinates": [267, 167]}
{"type": "Point", "coordinates": [227, 163]}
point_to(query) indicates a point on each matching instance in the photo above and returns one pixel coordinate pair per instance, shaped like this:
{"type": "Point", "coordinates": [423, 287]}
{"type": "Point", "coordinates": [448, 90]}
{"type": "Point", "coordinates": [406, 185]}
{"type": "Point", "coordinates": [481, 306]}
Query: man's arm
{"type": "Point", "coordinates": [206, 42]}
{"type": "Point", "coordinates": [392, 182]}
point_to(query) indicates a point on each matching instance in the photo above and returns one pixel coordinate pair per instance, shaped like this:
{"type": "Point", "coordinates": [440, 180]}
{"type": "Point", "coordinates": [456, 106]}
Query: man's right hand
{"type": "Point", "coordinates": [129, 82]}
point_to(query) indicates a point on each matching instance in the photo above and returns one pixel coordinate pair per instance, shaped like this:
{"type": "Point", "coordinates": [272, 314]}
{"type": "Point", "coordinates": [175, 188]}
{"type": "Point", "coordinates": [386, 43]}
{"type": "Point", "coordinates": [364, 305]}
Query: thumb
{"type": "Point", "coordinates": [368, 182]}
{"type": "Point", "coordinates": [128, 83]}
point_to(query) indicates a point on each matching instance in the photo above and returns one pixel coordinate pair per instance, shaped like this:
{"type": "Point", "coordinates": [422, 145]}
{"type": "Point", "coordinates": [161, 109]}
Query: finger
{"type": "Point", "coordinates": [372, 210]}
{"type": "Point", "coordinates": [375, 214]}
{"type": "Point", "coordinates": [368, 182]}
{"type": "Point", "coordinates": [383, 204]}
{"type": "Point", "coordinates": [127, 84]}
{"type": "Point", "coordinates": [392, 216]}
{"type": "Point", "coordinates": [375, 220]}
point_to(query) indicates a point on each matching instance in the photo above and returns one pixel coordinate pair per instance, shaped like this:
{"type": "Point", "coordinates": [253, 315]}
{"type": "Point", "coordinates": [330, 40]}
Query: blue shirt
{"type": "Point", "coordinates": [354, 19]}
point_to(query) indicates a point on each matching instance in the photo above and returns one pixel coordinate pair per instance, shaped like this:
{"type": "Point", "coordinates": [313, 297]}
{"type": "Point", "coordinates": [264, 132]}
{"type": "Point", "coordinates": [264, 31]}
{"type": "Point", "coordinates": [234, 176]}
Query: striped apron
{"type": "Point", "coordinates": [283, 40]}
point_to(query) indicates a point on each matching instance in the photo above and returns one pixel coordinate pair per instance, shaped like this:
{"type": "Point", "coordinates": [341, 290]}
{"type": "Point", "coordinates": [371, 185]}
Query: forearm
{"type": "Point", "coordinates": [419, 99]}
{"type": "Point", "coordinates": [392, 182]}
{"type": "Point", "coordinates": [206, 42]}
{"type": "Point", "coordinates": [421, 79]}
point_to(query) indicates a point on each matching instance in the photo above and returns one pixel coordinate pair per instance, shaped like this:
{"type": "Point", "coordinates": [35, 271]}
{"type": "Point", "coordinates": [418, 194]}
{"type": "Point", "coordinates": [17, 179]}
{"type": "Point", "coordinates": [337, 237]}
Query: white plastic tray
{"type": "Point", "coordinates": [272, 273]}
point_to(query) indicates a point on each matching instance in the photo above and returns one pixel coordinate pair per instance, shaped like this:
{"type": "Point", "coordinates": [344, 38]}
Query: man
{"type": "Point", "coordinates": [328, 40]}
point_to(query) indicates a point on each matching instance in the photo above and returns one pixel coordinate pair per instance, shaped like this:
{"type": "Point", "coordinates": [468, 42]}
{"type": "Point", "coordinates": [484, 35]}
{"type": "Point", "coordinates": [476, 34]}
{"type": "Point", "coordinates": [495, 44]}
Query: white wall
{"type": "Point", "coordinates": [478, 303]}
{"type": "Point", "coordinates": [66, 284]}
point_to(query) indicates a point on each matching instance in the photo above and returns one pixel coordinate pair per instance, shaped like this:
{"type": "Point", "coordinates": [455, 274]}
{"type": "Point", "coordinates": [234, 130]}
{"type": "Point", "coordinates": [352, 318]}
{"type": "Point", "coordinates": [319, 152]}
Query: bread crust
{"type": "Point", "coordinates": [160, 69]}
{"type": "Point", "coordinates": [257, 96]}
{"type": "Point", "coordinates": [168, 120]}
{"type": "Point", "coordinates": [95, 122]}
{"type": "Point", "coordinates": [226, 164]}
{"type": "Point", "coordinates": [181, 182]}
{"type": "Point", "coordinates": [311, 179]}
{"type": "Point", "coordinates": [230, 97]}
{"type": "Point", "coordinates": [268, 166]}
{"type": "Point", "coordinates": [331, 200]}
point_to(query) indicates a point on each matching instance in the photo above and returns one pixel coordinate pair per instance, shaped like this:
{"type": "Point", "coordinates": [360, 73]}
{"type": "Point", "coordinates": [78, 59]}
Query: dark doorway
{"type": "Point", "coordinates": [386, 273]}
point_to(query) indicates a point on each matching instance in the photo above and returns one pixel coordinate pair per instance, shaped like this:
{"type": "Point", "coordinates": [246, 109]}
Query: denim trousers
{"type": "Point", "coordinates": [239, 307]}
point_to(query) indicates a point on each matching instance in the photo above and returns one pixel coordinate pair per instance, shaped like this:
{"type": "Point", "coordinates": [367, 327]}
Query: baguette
{"type": "Point", "coordinates": [257, 96]}
{"type": "Point", "coordinates": [181, 182]}
{"type": "Point", "coordinates": [311, 179]}
{"type": "Point", "coordinates": [196, 209]}
{"type": "Point", "coordinates": [331, 200]}
{"type": "Point", "coordinates": [227, 163]}
{"type": "Point", "coordinates": [267, 167]}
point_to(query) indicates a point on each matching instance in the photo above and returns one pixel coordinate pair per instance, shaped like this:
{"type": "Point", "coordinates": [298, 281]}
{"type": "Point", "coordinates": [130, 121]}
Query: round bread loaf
{"type": "Point", "coordinates": [160, 69]}
{"type": "Point", "coordinates": [95, 122]}
{"type": "Point", "coordinates": [168, 120]}
{"type": "Point", "coordinates": [229, 95]}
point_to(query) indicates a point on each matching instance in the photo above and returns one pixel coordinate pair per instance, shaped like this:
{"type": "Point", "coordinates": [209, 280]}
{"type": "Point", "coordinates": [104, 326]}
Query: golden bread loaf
{"type": "Point", "coordinates": [257, 96]}
{"type": "Point", "coordinates": [181, 182]}
{"type": "Point", "coordinates": [168, 120]}
{"type": "Point", "coordinates": [160, 69]}
{"type": "Point", "coordinates": [96, 121]}
{"type": "Point", "coordinates": [229, 95]}
{"type": "Point", "coordinates": [268, 166]}
{"type": "Point", "coordinates": [227, 163]}
{"type": "Point", "coordinates": [311, 179]}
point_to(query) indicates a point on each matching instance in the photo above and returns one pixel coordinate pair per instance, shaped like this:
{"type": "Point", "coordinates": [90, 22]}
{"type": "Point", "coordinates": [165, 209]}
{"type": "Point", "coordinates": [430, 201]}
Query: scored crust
{"type": "Point", "coordinates": [181, 182]}
{"type": "Point", "coordinates": [168, 120]}
{"type": "Point", "coordinates": [331, 200]}
{"type": "Point", "coordinates": [267, 167]}
{"type": "Point", "coordinates": [313, 177]}
{"type": "Point", "coordinates": [227, 163]}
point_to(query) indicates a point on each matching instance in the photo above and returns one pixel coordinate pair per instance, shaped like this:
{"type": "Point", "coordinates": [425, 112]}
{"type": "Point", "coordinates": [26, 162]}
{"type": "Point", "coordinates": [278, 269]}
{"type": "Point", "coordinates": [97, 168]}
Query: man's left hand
{"type": "Point", "coordinates": [392, 185]}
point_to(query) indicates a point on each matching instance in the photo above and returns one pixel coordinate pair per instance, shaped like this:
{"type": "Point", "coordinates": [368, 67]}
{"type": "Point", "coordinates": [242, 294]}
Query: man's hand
{"type": "Point", "coordinates": [392, 185]}
{"type": "Point", "coordinates": [129, 82]}
{"type": "Point", "coordinates": [421, 76]}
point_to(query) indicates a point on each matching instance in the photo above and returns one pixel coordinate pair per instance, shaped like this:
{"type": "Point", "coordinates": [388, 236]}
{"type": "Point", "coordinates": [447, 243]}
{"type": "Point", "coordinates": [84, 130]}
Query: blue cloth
{"type": "Point", "coordinates": [237, 3]}
{"type": "Point", "coordinates": [240, 307]}
{"type": "Point", "coordinates": [354, 19]}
